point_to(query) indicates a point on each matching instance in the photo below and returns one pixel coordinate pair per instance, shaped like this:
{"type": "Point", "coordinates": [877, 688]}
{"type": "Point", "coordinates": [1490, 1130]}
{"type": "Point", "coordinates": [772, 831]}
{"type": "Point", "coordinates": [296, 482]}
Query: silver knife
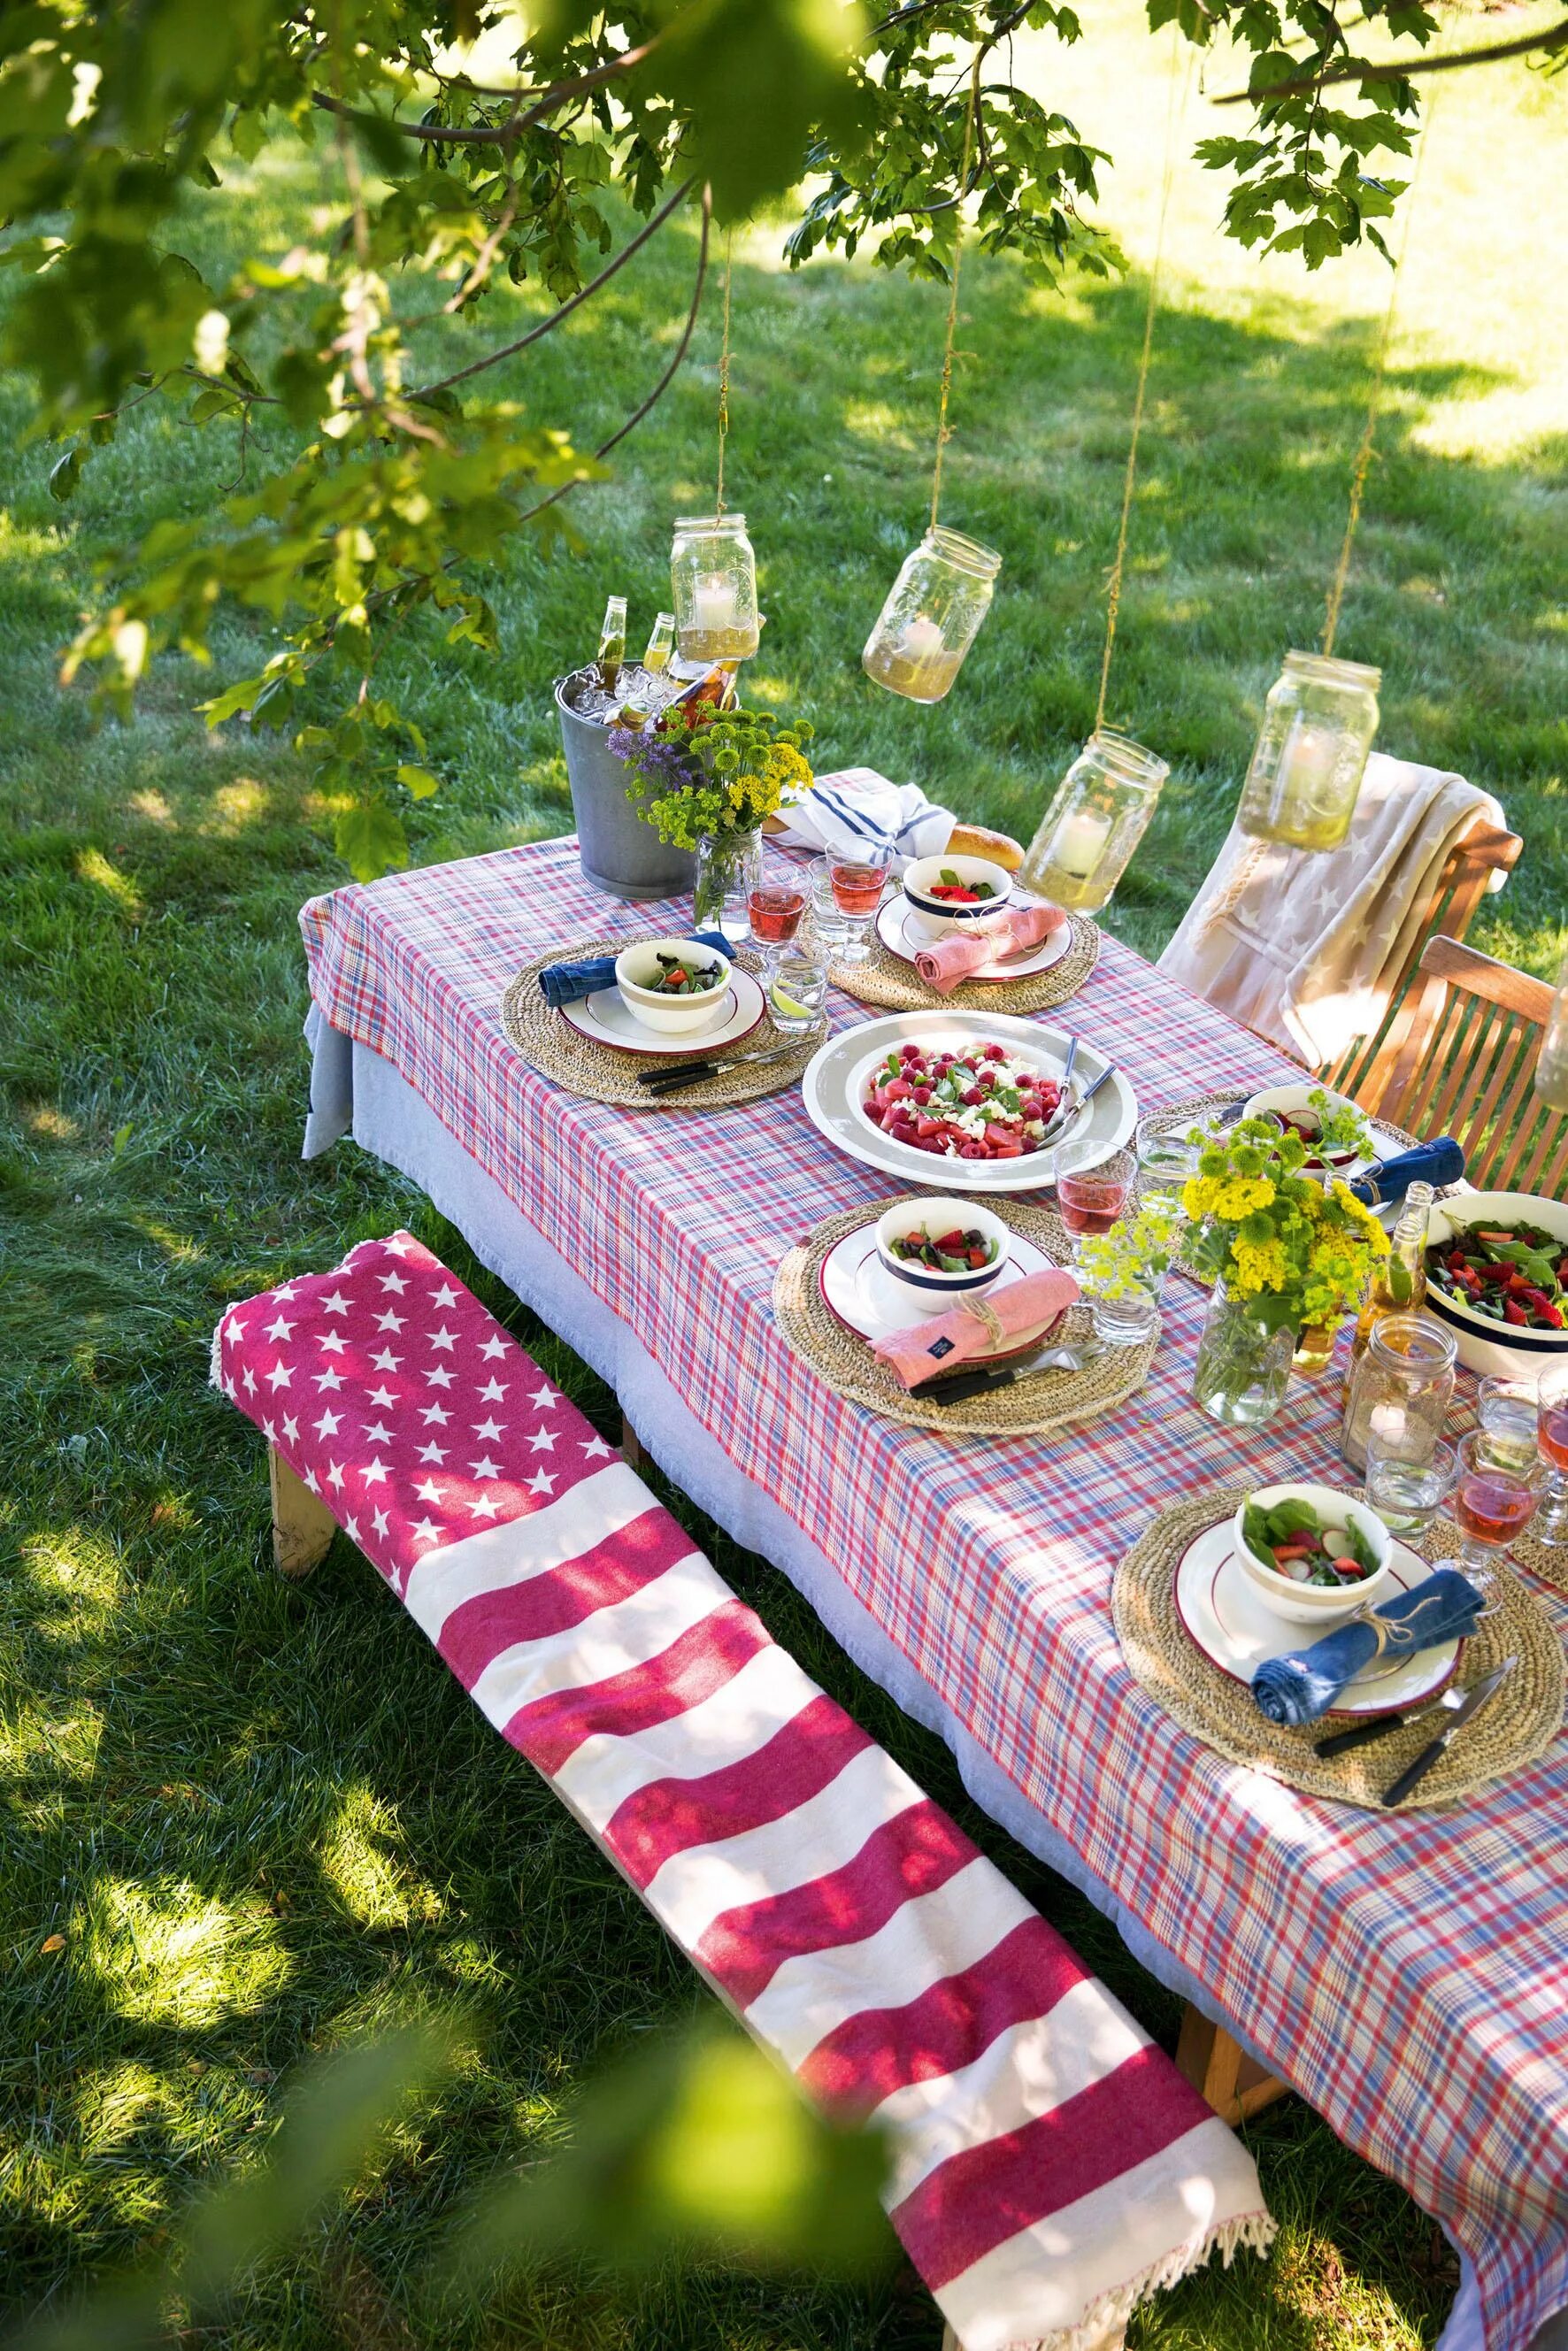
{"type": "Point", "coordinates": [1066, 1120]}
{"type": "Point", "coordinates": [976, 1378]}
{"type": "Point", "coordinates": [686, 1073]}
{"type": "Point", "coordinates": [1469, 1706]}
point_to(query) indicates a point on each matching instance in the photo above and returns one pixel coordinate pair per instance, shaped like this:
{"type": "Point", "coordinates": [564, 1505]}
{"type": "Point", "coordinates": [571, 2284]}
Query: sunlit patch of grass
{"type": "Point", "coordinates": [50, 1123]}
{"type": "Point", "coordinates": [237, 805]}
{"type": "Point", "coordinates": [357, 1858]}
{"type": "Point", "coordinates": [163, 1952]}
{"type": "Point", "coordinates": [93, 866]}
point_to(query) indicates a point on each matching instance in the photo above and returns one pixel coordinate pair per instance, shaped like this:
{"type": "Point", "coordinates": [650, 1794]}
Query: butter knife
{"type": "Point", "coordinates": [979, 1379]}
{"type": "Point", "coordinates": [1469, 1706]}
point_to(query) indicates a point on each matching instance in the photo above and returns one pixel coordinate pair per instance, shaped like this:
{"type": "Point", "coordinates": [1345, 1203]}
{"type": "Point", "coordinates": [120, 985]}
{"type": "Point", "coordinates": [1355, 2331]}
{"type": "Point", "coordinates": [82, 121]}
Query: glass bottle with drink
{"type": "Point", "coordinates": [612, 651]}
{"type": "Point", "coordinates": [1398, 1283]}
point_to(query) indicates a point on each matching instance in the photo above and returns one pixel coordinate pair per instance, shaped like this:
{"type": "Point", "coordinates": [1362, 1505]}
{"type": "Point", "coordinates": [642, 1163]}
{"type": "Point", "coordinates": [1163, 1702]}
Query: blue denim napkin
{"type": "Point", "coordinates": [566, 983]}
{"type": "Point", "coordinates": [1439, 1161]}
{"type": "Point", "coordinates": [1305, 1682]}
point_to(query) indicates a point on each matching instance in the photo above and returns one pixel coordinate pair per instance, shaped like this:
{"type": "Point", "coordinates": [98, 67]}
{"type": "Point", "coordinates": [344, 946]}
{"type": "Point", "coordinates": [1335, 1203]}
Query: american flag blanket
{"type": "Point", "coordinates": [1049, 2165]}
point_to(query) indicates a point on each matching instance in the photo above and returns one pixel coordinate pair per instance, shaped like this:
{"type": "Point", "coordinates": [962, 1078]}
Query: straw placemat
{"type": "Point", "coordinates": [845, 1362]}
{"type": "Point", "coordinates": [1549, 1562]}
{"type": "Point", "coordinates": [1517, 1725]}
{"type": "Point", "coordinates": [600, 1073]}
{"type": "Point", "coordinates": [886, 979]}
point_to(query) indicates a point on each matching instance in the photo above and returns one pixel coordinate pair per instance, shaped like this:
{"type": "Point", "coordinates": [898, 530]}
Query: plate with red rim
{"type": "Point", "coordinates": [866, 1298]}
{"type": "Point", "coordinates": [603, 1018]}
{"type": "Point", "coordinates": [1225, 1616]}
{"type": "Point", "coordinates": [900, 937]}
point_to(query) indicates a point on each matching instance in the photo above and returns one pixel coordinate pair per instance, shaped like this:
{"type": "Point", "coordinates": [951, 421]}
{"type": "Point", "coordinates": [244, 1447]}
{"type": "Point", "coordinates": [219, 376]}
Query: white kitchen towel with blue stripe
{"type": "Point", "coordinates": [844, 810]}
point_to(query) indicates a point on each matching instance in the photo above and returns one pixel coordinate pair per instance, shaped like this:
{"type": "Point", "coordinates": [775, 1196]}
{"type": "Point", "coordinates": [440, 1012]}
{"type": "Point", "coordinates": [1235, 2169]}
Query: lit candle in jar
{"type": "Point", "coordinates": [713, 603]}
{"type": "Point", "coordinates": [1310, 767]}
{"type": "Point", "coordinates": [921, 640]}
{"type": "Point", "coordinates": [1387, 1421]}
{"type": "Point", "coordinates": [1079, 843]}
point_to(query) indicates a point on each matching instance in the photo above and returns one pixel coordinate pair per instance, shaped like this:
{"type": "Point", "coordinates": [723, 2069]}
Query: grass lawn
{"type": "Point", "coordinates": [262, 1819]}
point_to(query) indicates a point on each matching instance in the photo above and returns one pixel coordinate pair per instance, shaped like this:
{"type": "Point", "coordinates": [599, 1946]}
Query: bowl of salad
{"type": "Point", "coordinates": [1311, 1552]}
{"type": "Point", "coordinates": [957, 1102]}
{"type": "Point", "coordinates": [1496, 1274]}
{"type": "Point", "coordinates": [939, 1248]}
{"type": "Point", "coordinates": [1333, 1129]}
{"type": "Point", "coordinates": [951, 894]}
{"type": "Point", "coordinates": [670, 983]}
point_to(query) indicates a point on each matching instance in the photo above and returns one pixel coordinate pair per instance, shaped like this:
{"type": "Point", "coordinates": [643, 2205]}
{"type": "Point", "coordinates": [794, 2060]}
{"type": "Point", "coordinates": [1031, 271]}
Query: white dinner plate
{"type": "Point", "coordinates": [1224, 1614]}
{"type": "Point", "coordinates": [604, 1017]}
{"type": "Point", "coordinates": [836, 1076]}
{"type": "Point", "coordinates": [898, 934]}
{"type": "Point", "coordinates": [857, 1287]}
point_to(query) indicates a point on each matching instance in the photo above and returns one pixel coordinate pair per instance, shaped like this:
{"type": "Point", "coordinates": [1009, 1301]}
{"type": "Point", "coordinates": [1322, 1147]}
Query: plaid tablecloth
{"type": "Point", "coordinates": [1406, 1976]}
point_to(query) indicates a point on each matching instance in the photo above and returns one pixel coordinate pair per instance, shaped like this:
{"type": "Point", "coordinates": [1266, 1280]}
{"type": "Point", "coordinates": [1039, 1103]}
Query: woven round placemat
{"type": "Point", "coordinates": [845, 1362]}
{"type": "Point", "coordinates": [886, 979]}
{"type": "Point", "coordinates": [600, 1073]}
{"type": "Point", "coordinates": [1517, 1725]}
{"type": "Point", "coordinates": [1548, 1561]}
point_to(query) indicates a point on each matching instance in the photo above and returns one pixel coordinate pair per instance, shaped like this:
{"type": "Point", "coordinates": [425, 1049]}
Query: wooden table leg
{"type": "Point", "coordinates": [302, 1525]}
{"type": "Point", "coordinates": [1221, 2072]}
{"type": "Point", "coordinates": [631, 1446]}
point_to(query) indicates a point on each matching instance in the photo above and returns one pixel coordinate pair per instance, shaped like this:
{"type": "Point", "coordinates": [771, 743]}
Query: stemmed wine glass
{"type": "Point", "coordinates": [858, 878]}
{"type": "Point", "coordinates": [776, 910]}
{"type": "Point", "coordinates": [1495, 1497]}
{"type": "Point", "coordinates": [1552, 1397]}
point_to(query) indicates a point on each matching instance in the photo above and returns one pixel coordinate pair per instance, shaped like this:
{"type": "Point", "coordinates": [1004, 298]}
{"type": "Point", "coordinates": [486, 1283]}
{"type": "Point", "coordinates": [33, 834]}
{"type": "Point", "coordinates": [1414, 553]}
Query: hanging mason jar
{"type": "Point", "coordinates": [1402, 1386]}
{"type": "Point", "coordinates": [1097, 819]}
{"type": "Point", "coordinates": [1310, 753]}
{"type": "Point", "coordinates": [931, 616]}
{"type": "Point", "coordinates": [713, 586]}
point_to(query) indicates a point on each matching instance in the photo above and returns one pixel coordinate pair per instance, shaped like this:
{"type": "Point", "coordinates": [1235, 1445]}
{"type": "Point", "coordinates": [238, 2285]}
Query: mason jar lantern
{"type": "Point", "coordinates": [930, 619]}
{"type": "Point", "coordinates": [1318, 727]}
{"type": "Point", "coordinates": [1099, 815]}
{"type": "Point", "coordinates": [713, 586]}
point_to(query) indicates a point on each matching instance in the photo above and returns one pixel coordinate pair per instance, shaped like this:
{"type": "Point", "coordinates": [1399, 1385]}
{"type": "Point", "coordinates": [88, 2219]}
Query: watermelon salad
{"type": "Point", "coordinates": [1516, 1274]}
{"type": "Point", "coordinates": [956, 893]}
{"type": "Point", "coordinates": [964, 1250]}
{"type": "Point", "coordinates": [979, 1104]}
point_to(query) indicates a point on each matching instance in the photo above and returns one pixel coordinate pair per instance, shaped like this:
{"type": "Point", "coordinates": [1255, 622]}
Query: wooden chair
{"type": "Point", "coordinates": [1459, 1061]}
{"type": "Point", "coordinates": [1462, 883]}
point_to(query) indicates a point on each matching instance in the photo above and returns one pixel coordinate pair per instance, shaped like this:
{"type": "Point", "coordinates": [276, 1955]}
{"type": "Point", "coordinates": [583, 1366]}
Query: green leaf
{"type": "Point", "coordinates": [66, 472]}
{"type": "Point", "coordinates": [418, 781]}
{"type": "Point", "coordinates": [370, 840]}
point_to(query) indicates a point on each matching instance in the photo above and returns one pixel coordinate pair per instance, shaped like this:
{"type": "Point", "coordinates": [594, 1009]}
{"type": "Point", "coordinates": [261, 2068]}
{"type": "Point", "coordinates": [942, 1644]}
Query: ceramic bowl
{"type": "Point", "coordinates": [1277, 1101]}
{"type": "Point", "coordinates": [1497, 1349]}
{"type": "Point", "coordinates": [940, 1217]}
{"type": "Point", "coordinates": [1314, 1603]}
{"type": "Point", "coordinates": [934, 917]}
{"type": "Point", "coordinates": [674, 1016]}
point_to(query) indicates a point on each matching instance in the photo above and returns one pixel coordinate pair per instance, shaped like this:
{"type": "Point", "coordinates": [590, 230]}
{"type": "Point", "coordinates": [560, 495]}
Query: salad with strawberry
{"type": "Point", "coordinates": [1516, 1274]}
{"type": "Point", "coordinates": [954, 892]}
{"type": "Point", "coordinates": [1293, 1539]}
{"type": "Point", "coordinates": [979, 1104]}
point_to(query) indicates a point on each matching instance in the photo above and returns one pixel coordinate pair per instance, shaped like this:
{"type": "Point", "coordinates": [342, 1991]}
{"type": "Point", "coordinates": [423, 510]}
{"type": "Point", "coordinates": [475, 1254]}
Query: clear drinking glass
{"type": "Point", "coordinates": [1090, 1199]}
{"type": "Point", "coordinates": [1407, 1479]}
{"type": "Point", "coordinates": [858, 881]}
{"type": "Point", "coordinates": [1509, 1413]}
{"type": "Point", "coordinates": [797, 991]}
{"type": "Point", "coordinates": [1551, 1397]}
{"type": "Point", "coordinates": [1495, 1498]}
{"type": "Point", "coordinates": [1164, 1160]}
{"type": "Point", "coordinates": [827, 922]}
{"type": "Point", "coordinates": [1128, 1320]}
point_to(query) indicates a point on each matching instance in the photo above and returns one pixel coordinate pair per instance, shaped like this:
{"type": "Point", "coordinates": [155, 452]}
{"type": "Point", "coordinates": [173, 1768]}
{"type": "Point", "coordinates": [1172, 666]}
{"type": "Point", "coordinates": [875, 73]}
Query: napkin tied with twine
{"type": "Point", "coordinates": [567, 982]}
{"type": "Point", "coordinates": [976, 1328]}
{"type": "Point", "coordinates": [1303, 1684]}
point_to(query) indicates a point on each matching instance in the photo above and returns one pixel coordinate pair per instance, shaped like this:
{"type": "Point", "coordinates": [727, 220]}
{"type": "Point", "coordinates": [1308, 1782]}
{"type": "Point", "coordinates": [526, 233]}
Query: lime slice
{"type": "Point", "coordinates": [789, 1008]}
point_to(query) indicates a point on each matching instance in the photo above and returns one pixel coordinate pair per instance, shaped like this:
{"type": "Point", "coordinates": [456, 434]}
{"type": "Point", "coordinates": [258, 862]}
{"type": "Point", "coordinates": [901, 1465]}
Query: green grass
{"type": "Point", "coordinates": [262, 1819]}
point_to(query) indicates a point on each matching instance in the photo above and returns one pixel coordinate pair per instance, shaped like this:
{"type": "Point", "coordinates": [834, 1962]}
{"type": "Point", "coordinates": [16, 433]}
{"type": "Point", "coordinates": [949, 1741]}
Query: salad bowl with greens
{"type": "Point", "coordinates": [1311, 1552]}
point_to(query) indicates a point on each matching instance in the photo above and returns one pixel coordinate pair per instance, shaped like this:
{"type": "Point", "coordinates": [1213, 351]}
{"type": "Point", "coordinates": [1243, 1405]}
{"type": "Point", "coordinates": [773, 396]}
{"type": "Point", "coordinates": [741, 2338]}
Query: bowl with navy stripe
{"type": "Point", "coordinates": [933, 918]}
{"type": "Point", "coordinates": [936, 1218]}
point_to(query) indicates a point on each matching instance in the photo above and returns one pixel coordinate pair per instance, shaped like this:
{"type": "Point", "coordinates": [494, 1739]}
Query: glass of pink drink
{"type": "Point", "coordinates": [858, 882]}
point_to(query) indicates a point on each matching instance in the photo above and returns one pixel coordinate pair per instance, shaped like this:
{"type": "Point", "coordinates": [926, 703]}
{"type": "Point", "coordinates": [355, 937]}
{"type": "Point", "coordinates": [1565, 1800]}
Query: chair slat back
{"type": "Point", "coordinates": [1363, 1069]}
{"type": "Point", "coordinates": [1469, 1071]}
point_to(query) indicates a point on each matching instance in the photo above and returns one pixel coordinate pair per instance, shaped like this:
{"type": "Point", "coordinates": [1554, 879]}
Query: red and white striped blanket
{"type": "Point", "coordinates": [1050, 2165]}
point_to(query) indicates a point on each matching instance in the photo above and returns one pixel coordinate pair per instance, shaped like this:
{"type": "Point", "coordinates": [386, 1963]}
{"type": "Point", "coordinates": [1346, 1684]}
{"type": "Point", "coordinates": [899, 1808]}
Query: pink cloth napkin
{"type": "Point", "coordinates": [952, 960]}
{"type": "Point", "coordinates": [979, 1327]}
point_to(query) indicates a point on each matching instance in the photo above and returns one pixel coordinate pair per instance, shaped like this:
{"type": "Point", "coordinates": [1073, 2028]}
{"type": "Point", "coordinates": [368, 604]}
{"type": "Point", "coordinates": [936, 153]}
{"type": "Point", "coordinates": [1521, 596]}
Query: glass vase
{"type": "Point", "coordinates": [934, 608]}
{"type": "Point", "coordinates": [1099, 813]}
{"type": "Point", "coordinates": [713, 586]}
{"type": "Point", "coordinates": [1310, 755]}
{"type": "Point", "coordinates": [729, 867]}
{"type": "Point", "coordinates": [1243, 1362]}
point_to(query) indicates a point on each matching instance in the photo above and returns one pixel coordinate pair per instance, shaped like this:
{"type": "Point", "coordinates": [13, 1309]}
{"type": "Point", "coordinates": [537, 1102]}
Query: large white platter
{"type": "Point", "coordinates": [836, 1077]}
{"type": "Point", "coordinates": [1224, 1614]}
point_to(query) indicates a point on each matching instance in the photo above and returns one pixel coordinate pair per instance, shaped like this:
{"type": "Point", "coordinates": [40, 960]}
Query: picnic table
{"type": "Point", "coordinates": [1404, 1974]}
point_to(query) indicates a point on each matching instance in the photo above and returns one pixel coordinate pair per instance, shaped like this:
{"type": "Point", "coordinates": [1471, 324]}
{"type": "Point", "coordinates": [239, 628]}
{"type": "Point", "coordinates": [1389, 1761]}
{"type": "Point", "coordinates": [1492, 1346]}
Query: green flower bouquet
{"type": "Point", "coordinates": [712, 773]}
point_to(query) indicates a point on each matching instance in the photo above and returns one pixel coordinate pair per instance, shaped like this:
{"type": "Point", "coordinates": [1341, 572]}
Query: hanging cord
{"type": "Point", "coordinates": [1375, 403]}
{"type": "Point", "coordinates": [724, 376]}
{"type": "Point", "coordinates": [944, 430]}
{"type": "Point", "coordinates": [1175, 110]}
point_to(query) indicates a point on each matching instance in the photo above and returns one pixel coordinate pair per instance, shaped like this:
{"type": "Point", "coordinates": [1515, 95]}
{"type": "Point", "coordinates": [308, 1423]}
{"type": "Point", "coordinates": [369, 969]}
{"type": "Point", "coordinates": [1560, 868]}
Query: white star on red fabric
{"type": "Point", "coordinates": [310, 1481]}
{"type": "Point", "coordinates": [268, 1431]}
{"type": "Point", "coordinates": [445, 1296]}
{"type": "Point", "coordinates": [351, 1528]}
{"type": "Point", "coordinates": [431, 1452]}
{"type": "Point", "coordinates": [283, 1288]}
{"type": "Point", "coordinates": [444, 1339]}
{"type": "Point", "coordinates": [491, 1392]}
{"type": "Point", "coordinates": [397, 1282]}
{"type": "Point", "coordinates": [428, 1490]}
{"type": "Point", "coordinates": [334, 1473]}
{"type": "Point", "coordinates": [386, 1360]}
{"type": "Point", "coordinates": [249, 1377]}
{"type": "Point", "coordinates": [383, 1395]}
{"type": "Point", "coordinates": [333, 1344]}
{"type": "Point", "coordinates": [291, 1429]}
{"type": "Point", "coordinates": [544, 1397]}
{"type": "Point", "coordinates": [329, 1424]}
{"type": "Point", "coordinates": [491, 1427]}
{"type": "Point", "coordinates": [400, 1244]}
{"type": "Point", "coordinates": [542, 1483]}
{"type": "Point", "coordinates": [484, 1467]}
{"type": "Point", "coordinates": [484, 1505]}
{"type": "Point", "coordinates": [423, 1531]}
{"type": "Point", "coordinates": [378, 1432]}
{"type": "Point", "coordinates": [594, 1448]}
{"type": "Point", "coordinates": [442, 1378]}
{"type": "Point", "coordinates": [391, 1320]}
{"type": "Point", "coordinates": [542, 1441]}
{"type": "Point", "coordinates": [373, 1472]}
{"type": "Point", "coordinates": [337, 1303]}
{"type": "Point", "coordinates": [280, 1377]}
{"type": "Point", "coordinates": [379, 1521]}
{"type": "Point", "coordinates": [282, 1328]}
{"type": "Point", "coordinates": [330, 1378]}
{"type": "Point", "coordinates": [234, 1330]}
{"type": "Point", "coordinates": [435, 1414]}
{"type": "Point", "coordinates": [494, 1345]}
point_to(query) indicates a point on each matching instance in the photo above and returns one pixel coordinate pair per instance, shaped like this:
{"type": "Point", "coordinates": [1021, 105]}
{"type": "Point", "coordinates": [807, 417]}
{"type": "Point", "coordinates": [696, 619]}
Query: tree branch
{"type": "Point", "coordinates": [1391, 69]}
{"type": "Point", "coordinates": [583, 294]}
{"type": "Point", "coordinates": [499, 134]}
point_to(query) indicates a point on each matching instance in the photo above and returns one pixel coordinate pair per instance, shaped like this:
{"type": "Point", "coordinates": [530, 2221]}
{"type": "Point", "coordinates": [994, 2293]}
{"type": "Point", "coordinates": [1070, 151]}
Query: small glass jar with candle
{"type": "Point", "coordinates": [1402, 1387]}
{"type": "Point", "coordinates": [1310, 755]}
{"type": "Point", "coordinates": [931, 616]}
{"type": "Point", "coordinates": [713, 586]}
{"type": "Point", "coordinates": [1099, 815]}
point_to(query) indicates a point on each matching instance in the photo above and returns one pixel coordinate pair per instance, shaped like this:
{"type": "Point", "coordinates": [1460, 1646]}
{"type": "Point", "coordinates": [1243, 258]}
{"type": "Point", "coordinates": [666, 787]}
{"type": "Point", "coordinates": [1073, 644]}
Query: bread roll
{"type": "Point", "coordinates": [978, 840]}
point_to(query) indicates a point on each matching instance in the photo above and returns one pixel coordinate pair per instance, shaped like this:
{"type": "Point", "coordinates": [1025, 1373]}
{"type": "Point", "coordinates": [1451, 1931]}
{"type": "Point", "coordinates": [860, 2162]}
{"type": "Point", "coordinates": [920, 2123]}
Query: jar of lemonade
{"type": "Point", "coordinates": [1311, 754]}
{"type": "Point", "coordinates": [930, 619]}
{"type": "Point", "coordinates": [713, 586]}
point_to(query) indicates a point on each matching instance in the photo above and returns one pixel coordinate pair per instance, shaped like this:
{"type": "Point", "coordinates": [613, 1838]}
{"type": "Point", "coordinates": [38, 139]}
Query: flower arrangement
{"type": "Point", "coordinates": [1296, 1249]}
{"type": "Point", "coordinates": [713, 772]}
